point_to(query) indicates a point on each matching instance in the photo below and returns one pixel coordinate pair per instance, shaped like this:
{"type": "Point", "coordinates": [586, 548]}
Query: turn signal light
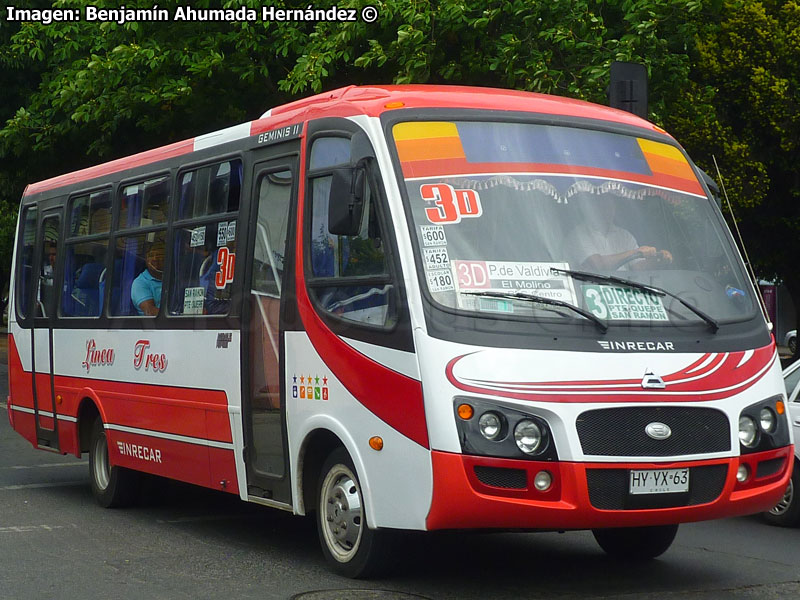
{"type": "Point", "coordinates": [376, 443]}
{"type": "Point", "coordinates": [394, 105]}
{"type": "Point", "coordinates": [465, 411]}
{"type": "Point", "coordinates": [779, 407]}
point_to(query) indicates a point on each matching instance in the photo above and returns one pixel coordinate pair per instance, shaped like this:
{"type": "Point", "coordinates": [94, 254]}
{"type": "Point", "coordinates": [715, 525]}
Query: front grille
{"type": "Point", "coordinates": [621, 431]}
{"type": "Point", "coordinates": [608, 489]}
{"type": "Point", "coordinates": [516, 479]}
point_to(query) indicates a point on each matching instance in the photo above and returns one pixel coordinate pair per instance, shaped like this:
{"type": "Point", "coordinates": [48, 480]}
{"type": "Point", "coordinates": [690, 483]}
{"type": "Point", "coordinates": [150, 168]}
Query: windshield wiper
{"type": "Point", "coordinates": [551, 301]}
{"type": "Point", "coordinates": [653, 289]}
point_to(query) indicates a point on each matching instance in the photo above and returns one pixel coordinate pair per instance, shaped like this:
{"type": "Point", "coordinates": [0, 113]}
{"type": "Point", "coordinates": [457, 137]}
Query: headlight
{"type": "Point", "coordinates": [767, 420]}
{"type": "Point", "coordinates": [528, 436]}
{"type": "Point", "coordinates": [748, 432]}
{"type": "Point", "coordinates": [486, 428]}
{"type": "Point", "coordinates": [490, 425]}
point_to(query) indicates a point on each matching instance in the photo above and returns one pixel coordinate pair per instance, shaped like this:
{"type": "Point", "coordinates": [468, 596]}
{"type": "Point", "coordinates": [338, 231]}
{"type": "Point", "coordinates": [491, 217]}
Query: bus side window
{"type": "Point", "coordinates": [46, 295]}
{"type": "Point", "coordinates": [83, 289]}
{"type": "Point", "coordinates": [204, 265]}
{"type": "Point", "coordinates": [349, 274]}
{"type": "Point", "coordinates": [25, 274]}
{"type": "Point", "coordinates": [274, 191]}
{"type": "Point", "coordinates": [204, 248]}
{"type": "Point", "coordinates": [84, 279]}
{"type": "Point", "coordinates": [136, 274]}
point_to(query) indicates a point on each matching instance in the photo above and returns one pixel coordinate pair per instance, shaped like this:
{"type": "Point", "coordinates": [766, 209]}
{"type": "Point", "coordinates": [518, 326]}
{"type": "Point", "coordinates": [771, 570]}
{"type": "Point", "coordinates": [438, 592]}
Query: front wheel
{"type": "Point", "coordinates": [636, 543]}
{"type": "Point", "coordinates": [350, 547]}
{"type": "Point", "coordinates": [111, 486]}
{"type": "Point", "coordinates": [786, 513]}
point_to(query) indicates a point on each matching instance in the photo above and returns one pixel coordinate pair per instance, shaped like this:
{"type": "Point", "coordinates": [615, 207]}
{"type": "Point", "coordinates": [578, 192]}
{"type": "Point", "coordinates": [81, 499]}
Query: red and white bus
{"type": "Point", "coordinates": [405, 308]}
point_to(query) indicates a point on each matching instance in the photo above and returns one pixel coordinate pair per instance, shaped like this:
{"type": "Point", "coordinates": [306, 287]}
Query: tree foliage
{"type": "Point", "coordinates": [723, 79]}
{"type": "Point", "coordinates": [110, 89]}
{"type": "Point", "coordinates": [744, 108]}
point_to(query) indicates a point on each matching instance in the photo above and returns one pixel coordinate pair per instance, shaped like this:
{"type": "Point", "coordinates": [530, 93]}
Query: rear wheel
{"type": "Point", "coordinates": [350, 547]}
{"type": "Point", "coordinates": [111, 485]}
{"type": "Point", "coordinates": [786, 513]}
{"type": "Point", "coordinates": [636, 543]}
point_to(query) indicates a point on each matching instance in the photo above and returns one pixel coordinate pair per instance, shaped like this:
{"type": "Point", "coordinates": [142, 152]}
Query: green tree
{"type": "Point", "coordinates": [722, 78]}
{"type": "Point", "coordinates": [743, 107]}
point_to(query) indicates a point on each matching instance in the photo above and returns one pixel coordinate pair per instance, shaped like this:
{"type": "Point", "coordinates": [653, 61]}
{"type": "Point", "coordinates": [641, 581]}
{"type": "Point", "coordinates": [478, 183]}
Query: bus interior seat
{"type": "Point", "coordinates": [126, 269]}
{"type": "Point", "coordinates": [88, 292]}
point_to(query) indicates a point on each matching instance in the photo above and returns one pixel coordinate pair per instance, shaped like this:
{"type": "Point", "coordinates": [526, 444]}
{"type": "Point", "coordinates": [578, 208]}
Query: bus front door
{"type": "Point", "coordinates": [274, 187]}
{"type": "Point", "coordinates": [44, 309]}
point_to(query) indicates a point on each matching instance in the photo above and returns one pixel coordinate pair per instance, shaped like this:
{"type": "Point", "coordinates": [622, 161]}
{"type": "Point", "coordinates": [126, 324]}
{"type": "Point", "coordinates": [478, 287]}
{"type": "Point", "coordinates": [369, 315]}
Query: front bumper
{"type": "Point", "coordinates": [471, 492]}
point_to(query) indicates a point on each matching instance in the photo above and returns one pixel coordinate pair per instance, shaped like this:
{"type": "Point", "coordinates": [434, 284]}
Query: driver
{"type": "Point", "coordinates": [597, 243]}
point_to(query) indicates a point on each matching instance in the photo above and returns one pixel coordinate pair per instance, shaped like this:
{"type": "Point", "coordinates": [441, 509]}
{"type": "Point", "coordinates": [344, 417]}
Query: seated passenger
{"type": "Point", "coordinates": [146, 288]}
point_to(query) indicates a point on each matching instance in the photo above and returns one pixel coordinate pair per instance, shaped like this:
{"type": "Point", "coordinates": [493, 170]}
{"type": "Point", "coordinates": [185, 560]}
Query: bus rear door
{"type": "Point", "coordinates": [45, 307]}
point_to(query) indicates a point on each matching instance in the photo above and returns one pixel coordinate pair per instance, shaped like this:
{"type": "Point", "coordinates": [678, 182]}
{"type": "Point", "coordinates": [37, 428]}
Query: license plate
{"type": "Point", "coordinates": [659, 481]}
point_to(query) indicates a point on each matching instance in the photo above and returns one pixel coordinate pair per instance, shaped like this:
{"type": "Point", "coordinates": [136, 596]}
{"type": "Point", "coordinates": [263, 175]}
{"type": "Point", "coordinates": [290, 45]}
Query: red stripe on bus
{"type": "Point", "coordinates": [189, 412]}
{"type": "Point", "coordinates": [114, 166]}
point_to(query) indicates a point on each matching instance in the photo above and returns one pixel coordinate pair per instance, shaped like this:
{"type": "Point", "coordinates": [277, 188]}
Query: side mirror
{"type": "Point", "coordinates": [712, 186]}
{"type": "Point", "coordinates": [346, 200]}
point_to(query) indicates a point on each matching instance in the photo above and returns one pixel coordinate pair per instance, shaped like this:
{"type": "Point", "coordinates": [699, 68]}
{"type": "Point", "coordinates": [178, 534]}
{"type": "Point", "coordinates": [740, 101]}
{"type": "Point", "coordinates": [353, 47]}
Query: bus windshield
{"type": "Point", "coordinates": [501, 210]}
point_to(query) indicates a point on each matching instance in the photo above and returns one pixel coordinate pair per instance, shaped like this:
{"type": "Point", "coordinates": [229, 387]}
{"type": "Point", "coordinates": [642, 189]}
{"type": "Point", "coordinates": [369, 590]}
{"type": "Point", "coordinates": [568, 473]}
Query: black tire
{"type": "Point", "coordinates": [351, 548]}
{"type": "Point", "coordinates": [786, 513]}
{"type": "Point", "coordinates": [111, 486]}
{"type": "Point", "coordinates": [793, 345]}
{"type": "Point", "coordinates": [636, 543]}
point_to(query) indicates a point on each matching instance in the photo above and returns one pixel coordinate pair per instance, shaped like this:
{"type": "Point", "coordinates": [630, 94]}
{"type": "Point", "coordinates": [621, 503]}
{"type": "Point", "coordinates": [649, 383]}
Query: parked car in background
{"type": "Point", "coordinates": [786, 513]}
{"type": "Point", "coordinates": [790, 340]}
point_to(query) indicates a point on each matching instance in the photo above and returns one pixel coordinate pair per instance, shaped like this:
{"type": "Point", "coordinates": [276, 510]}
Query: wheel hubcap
{"type": "Point", "coordinates": [783, 505]}
{"type": "Point", "coordinates": [340, 506]}
{"type": "Point", "coordinates": [100, 464]}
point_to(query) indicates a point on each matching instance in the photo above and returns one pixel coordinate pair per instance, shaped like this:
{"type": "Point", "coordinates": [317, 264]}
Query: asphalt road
{"type": "Point", "coordinates": [185, 542]}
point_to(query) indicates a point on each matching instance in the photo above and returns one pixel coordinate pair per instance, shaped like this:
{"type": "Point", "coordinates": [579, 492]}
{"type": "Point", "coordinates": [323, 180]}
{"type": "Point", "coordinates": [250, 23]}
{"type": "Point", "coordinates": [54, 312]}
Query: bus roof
{"type": "Point", "coordinates": [358, 100]}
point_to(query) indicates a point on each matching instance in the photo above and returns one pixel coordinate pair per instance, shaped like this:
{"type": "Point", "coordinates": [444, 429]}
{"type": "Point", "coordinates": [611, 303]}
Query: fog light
{"type": "Point", "coordinates": [543, 481]}
{"type": "Point", "coordinates": [742, 474]}
{"type": "Point", "coordinates": [748, 432]}
{"type": "Point", "coordinates": [767, 420]}
{"type": "Point", "coordinates": [490, 425]}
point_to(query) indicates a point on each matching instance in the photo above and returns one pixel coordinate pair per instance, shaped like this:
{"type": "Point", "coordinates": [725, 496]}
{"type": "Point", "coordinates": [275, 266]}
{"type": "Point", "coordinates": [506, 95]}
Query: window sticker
{"type": "Point", "coordinates": [231, 233]}
{"type": "Point", "coordinates": [449, 205]}
{"type": "Point", "coordinates": [509, 277]}
{"type": "Point", "coordinates": [194, 299]}
{"type": "Point", "coordinates": [436, 258]}
{"type": "Point", "coordinates": [226, 261]}
{"type": "Point", "coordinates": [620, 303]}
{"type": "Point", "coordinates": [433, 235]}
{"type": "Point", "coordinates": [198, 237]}
{"type": "Point", "coordinates": [495, 305]}
{"type": "Point", "coordinates": [222, 233]}
{"type": "Point", "coordinates": [440, 280]}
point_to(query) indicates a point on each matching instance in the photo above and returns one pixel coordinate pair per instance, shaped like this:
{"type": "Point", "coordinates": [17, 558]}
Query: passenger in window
{"type": "Point", "coordinates": [48, 267]}
{"type": "Point", "coordinates": [146, 288]}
